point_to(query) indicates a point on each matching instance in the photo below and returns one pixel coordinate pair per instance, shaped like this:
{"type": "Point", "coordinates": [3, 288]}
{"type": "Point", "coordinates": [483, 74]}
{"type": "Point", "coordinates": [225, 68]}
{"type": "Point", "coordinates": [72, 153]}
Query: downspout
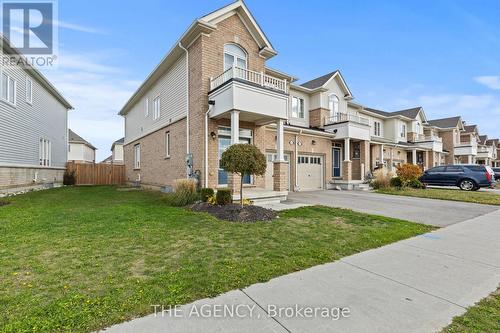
{"type": "Point", "coordinates": [296, 185]}
{"type": "Point", "coordinates": [188, 150]}
{"type": "Point", "coordinates": [205, 171]}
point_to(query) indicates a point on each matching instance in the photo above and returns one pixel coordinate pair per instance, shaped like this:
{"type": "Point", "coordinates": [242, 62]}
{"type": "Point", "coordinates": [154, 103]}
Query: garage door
{"type": "Point", "coordinates": [310, 172]}
{"type": "Point", "coordinates": [270, 169]}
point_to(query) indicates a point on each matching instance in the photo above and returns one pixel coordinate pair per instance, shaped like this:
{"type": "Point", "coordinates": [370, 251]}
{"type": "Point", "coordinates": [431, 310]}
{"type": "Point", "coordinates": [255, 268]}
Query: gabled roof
{"type": "Point", "coordinates": [5, 44]}
{"type": "Point", "coordinates": [490, 142]}
{"type": "Point", "coordinates": [75, 138]}
{"type": "Point", "coordinates": [470, 128]}
{"type": "Point", "coordinates": [446, 122]}
{"type": "Point", "coordinates": [323, 80]}
{"type": "Point", "coordinates": [108, 159]}
{"type": "Point", "coordinates": [483, 139]}
{"type": "Point", "coordinates": [118, 142]}
{"type": "Point", "coordinates": [203, 25]}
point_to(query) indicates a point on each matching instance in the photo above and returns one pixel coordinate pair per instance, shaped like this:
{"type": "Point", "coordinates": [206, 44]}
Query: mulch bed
{"type": "Point", "coordinates": [236, 213]}
{"type": "Point", "coordinates": [4, 203]}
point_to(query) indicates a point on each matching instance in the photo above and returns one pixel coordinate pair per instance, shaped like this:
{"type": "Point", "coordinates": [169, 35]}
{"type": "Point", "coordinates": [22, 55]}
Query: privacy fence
{"type": "Point", "coordinates": [97, 174]}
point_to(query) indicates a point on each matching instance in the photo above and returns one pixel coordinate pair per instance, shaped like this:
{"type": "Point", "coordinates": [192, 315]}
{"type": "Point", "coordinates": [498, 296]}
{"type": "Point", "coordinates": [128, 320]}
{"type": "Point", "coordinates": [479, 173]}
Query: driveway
{"type": "Point", "coordinates": [428, 211]}
{"type": "Point", "coordinates": [415, 285]}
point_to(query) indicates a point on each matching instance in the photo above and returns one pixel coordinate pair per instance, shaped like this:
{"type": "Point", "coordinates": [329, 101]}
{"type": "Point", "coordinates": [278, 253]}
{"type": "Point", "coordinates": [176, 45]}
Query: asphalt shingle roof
{"type": "Point", "coordinates": [483, 138]}
{"type": "Point", "coordinates": [492, 141]}
{"type": "Point", "coordinates": [409, 113]}
{"type": "Point", "coordinates": [445, 122]}
{"type": "Point", "coordinates": [319, 81]}
{"type": "Point", "coordinates": [73, 137]}
{"type": "Point", "coordinates": [470, 128]}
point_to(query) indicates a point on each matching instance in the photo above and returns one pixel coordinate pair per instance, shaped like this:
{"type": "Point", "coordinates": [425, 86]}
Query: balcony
{"type": "Point", "coordinates": [428, 138]}
{"type": "Point", "coordinates": [346, 125]}
{"type": "Point", "coordinates": [432, 142]}
{"type": "Point", "coordinates": [246, 75]}
{"type": "Point", "coordinates": [342, 117]}
{"type": "Point", "coordinates": [485, 152]}
{"type": "Point", "coordinates": [464, 148]}
{"type": "Point", "coordinates": [260, 98]}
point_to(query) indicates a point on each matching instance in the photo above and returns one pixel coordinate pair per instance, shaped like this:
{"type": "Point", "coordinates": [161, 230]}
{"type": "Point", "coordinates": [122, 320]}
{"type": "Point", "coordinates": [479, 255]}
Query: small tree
{"type": "Point", "coordinates": [243, 159]}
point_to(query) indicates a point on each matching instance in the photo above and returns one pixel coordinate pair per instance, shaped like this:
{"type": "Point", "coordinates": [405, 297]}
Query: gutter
{"type": "Point", "coordinates": [188, 150]}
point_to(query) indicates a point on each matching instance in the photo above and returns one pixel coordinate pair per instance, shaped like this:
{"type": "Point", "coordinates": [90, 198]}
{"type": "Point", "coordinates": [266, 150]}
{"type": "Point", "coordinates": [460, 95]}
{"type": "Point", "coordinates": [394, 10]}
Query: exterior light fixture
{"type": "Point", "coordinates": [213, 135]}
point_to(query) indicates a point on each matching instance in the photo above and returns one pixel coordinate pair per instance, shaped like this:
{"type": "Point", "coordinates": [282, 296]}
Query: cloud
{"type": "Point", "coordinates": [492, 82]}
{"type": "Point", "coordinates": [77, 27]}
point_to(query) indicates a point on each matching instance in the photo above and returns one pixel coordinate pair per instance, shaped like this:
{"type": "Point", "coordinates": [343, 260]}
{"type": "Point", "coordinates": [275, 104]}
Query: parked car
{"type": "Point", "coordinates": [466, 177]}
{"type": "Point", "coordinates": [497, 173]}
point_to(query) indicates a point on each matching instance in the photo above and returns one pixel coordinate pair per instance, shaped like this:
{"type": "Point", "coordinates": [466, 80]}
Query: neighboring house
{"type": "Point", "coordinates": [108, 160]}
{"type": "Point", "coordinates": [79, 149]}
{"type": "Point", "coordinates": [33, 126]}
{"type": "Point", "coordinates": [487, 150]}
{"type": "Point", "coordinates": [449, 130]}
{"type": "Point", "coordinates": [117, 151]}
{"type": "Point", "coordinates": [214, 89]}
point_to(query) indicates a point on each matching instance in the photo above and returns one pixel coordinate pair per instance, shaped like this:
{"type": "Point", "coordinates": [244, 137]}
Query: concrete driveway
{"type": "Point", "coordinates": [428, 211]}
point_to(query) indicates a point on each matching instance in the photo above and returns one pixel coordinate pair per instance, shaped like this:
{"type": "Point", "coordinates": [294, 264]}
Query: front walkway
{"type": "Point", "coordinates": [415, 285]}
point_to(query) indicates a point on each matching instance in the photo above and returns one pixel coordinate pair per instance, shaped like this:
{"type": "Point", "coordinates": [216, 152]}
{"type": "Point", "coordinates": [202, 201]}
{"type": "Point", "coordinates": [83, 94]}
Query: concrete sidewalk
{"type": "Point", "coordinates": [415, 285]}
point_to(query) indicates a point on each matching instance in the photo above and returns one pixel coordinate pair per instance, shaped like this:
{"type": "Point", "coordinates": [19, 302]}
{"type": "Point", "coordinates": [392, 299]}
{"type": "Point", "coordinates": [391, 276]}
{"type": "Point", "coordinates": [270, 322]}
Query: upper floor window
{"type": "Point", "coordinates": [333, 104]}
{"type": "Point", "coordinates": [376, 128]}
{"type": "Point", "coordinates": [403, 131]}
{"type": "Point", "coordinates": [297, 107]}
{"type": "Point", "coordinates": [29, 90]}
{"type": "Point", "coordinates": [418, 128]}
{"type": "Point", "coordinates": [234, 56]}
{"type": "Point", "coordinates": [156, 108]}
{"type": "Point", "coordinates": [8, 88]}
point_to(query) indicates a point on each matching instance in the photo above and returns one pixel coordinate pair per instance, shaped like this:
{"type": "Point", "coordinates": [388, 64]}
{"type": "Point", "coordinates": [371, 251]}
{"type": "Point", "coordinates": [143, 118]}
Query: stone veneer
{"type": "Point", "coordinates": [318, 116]}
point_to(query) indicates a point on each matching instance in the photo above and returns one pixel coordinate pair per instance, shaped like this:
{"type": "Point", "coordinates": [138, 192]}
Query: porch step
{"type": "Point", "coordinates": [261, 196]}
{"type": "Point", "coordinates": [353, 185]}
{"type": "Point", "coordinates": [361, 187]}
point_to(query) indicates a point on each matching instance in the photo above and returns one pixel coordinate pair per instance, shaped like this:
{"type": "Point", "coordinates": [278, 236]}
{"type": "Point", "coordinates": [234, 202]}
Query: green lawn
{"type": "Point", "coordinates": [483, 317]}
{"type": "Point", "coordinates": [79, 259]}
{"type": "Point", "coordinates": [488, 198]}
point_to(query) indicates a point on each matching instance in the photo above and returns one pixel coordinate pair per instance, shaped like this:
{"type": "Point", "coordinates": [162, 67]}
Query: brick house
{"type": "Point", "coordinates": [214, 89]}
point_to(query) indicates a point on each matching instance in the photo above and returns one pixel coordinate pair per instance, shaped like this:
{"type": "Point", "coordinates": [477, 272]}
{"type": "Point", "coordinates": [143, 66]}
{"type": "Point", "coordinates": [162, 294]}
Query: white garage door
{"type": "Point", "coordinates": [270, 169]}
{"type": "Point", "coordinates": [310, 172]}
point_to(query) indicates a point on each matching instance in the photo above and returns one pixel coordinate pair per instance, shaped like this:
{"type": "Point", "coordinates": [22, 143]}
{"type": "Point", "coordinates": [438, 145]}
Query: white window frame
{"type": "Point", "coordinates": [299, 111]}
{"type": "Point", "coordinates": [377, 128]}
{"type": "Point", "coordinates": [10, 81]}
{"type": "Point", "coordinates": [403, 131]}
{"type": "Point", "coordinates": [167, 144]}
{"type": "Point", "coordinates": [137, 156]}
{"type": "Point", "coordinates": [146, 111]}
{"type": "Point", "coordinates": [156, 108]}
{"type": "Point", "coordinates": [45, 152]}
{"type": "Point", "coordinates": [333, 104]}
{"type": "Point", "coordinates": [29, 90]}
{"type": "Point", "coordinates": [235, 56]}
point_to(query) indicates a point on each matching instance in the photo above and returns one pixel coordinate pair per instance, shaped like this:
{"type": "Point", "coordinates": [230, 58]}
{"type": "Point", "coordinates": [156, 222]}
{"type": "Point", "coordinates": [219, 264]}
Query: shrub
{"type": "Point", "coordinates": [206, 193]}
{"type": "Point", "coordinates": [69, 177]}
{"type": "Point", "coordinates": [415, 183]}
{"type": "Point", "coordinates": [396, 182]}
{"type": "Point", "coordinates": [184, 185]}
{"type": "Point", "coordinates": [211, 200]}
{"type": "Point", "coordinates": [382, 179]}
{"type": "Point", "coordinates": [181, 198]}
{"type": "Point", "coordinates": [223, 197]}
{"type": "Point", "coordinates": [408, 173]}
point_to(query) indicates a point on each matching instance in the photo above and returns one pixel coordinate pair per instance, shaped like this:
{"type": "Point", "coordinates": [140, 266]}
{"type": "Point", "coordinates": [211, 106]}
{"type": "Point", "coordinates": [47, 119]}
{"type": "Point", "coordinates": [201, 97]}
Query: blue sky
{"type": "Point", "coordinates": [442, 55]}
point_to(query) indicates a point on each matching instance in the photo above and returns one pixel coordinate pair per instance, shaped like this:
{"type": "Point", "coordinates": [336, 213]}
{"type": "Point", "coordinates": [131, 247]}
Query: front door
{"type": "Point", "coordinates": [336, 162]}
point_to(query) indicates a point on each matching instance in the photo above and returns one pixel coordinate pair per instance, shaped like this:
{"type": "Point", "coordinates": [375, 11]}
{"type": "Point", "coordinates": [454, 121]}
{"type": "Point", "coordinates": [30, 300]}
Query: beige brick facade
{"type": "Point", "coordinates": [317, 117]}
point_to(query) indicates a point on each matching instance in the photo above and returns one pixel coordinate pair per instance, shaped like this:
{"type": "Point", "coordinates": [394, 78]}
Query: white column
{"type": "Point", "coordinates": [414, 156]}
{"type": "Point", "coordinates": [347, 146]}
{"type": "Point", "coordinates": [280, 145]}
{"type": "Point", "coordinates": [235, 127]}
{"type": "Point", "coordinates": [439, 159]}
{"type": "Point", "coordinates": [381, 157]}
{"type": "Point", "coordinates": [469, 159]}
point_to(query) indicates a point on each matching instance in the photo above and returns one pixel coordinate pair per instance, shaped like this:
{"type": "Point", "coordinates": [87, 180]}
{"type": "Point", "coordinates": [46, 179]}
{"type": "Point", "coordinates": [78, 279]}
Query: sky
{"type": "Point", "coordinates": [443, 55]}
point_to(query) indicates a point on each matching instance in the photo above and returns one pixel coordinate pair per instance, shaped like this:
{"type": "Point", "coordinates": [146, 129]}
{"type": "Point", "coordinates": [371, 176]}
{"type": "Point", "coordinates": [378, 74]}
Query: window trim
{"type": "Point", "coordinates": [235, 56]}
{"type": "Point", "coordinates": [157, 112]}
{"type": "Point", "coordinates": [377, 130]}
{"type": "Point", "coordinates": [333, 105]}
{"type": "Point", "coordinates": [44, 152]}
{"type": "Point", "coordinates": [137, 156]}
{"type": "Point", "coordinates": [300, 112]}
{"type": "Point", "coordinates": [9, 80]}
{"type": "Point", "coordinates": [403, 131]}
{"type": "Point", "coordinates": [146, 111]}
{"type": "Point", "coordinates": [167, 144]}
{"type": "Point", "coordinates": [30, 81]}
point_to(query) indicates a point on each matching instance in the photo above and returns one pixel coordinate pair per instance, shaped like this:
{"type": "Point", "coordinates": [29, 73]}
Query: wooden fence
{"type": "Point", "coordinates": [97, 174]}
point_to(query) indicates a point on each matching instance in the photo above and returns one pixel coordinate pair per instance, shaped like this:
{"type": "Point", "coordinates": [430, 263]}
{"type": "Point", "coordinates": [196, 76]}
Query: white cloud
{"type": "Point", "coordinates": [77, 27]}
{"type": "Point", "coordinates": [492, 82]}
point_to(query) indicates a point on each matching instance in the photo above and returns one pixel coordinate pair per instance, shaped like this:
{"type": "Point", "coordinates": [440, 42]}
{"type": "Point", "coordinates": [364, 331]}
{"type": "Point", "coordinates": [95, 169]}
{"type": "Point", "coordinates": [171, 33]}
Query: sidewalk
{"type": "Point", "coordinates": [416, 285]}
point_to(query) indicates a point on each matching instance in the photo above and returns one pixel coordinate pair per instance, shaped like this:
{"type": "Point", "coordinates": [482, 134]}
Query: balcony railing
{"type": "Point", "coordinates": [422, 137]}
{"type": "Point", "coordinates": [341, 117]}
{"type": "Point", "coordinates": [254, 77]}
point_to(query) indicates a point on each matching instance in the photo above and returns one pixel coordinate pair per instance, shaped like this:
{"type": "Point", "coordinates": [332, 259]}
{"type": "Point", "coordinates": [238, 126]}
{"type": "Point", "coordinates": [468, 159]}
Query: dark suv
{"type": "Point", "coordinates": [467, 177]}
{"type": "Point", "coordinates": [497, 173]}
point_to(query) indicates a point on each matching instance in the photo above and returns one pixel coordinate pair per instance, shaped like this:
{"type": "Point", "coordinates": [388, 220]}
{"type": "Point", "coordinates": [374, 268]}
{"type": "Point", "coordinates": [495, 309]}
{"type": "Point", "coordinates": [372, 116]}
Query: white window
{"type": "Point", "coordinates": [8, 88]}
{"type": "Point", "coordinates": [29, 90]}
{"type": "Point", "coordinates": [156, 108]}
{"type": "Point", "coordinates": [137, 156]}
{"type": "Point", "coordinates": [234, 56]}
{"type": "Point", "coordinates": [297, 107]}
{"type": "Point", "coordinates": [167, 144]}
{"type": "Point", "coordinates": [333, 104]}
{"type": "Point", "coordinates": [403, 131]}
{"type": "Point", "coordinates": [146, 111]}
{"type": "Point", "coordinates": [44, 152]}
{"type": "Point", "coordinates": [376, 128]}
